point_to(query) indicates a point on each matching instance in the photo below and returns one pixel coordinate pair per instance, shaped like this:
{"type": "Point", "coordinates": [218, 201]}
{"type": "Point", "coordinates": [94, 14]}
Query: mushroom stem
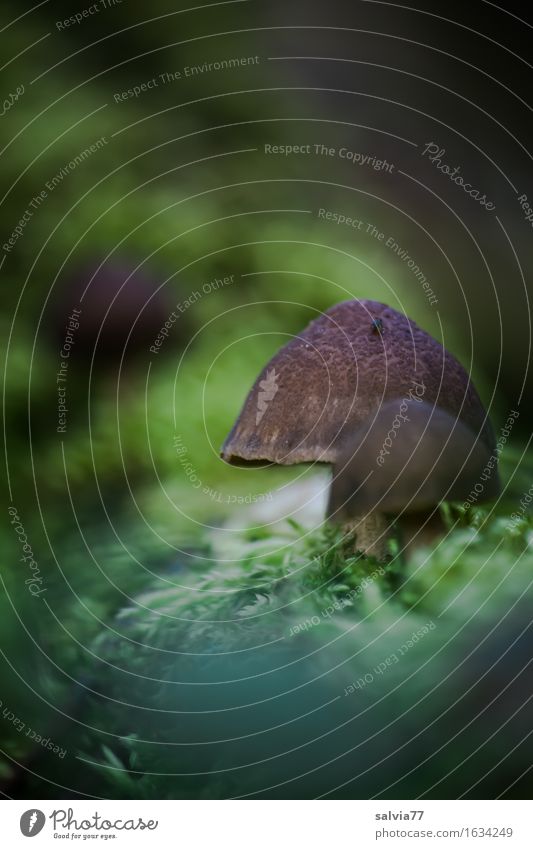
{"type": "Point", "coordinates": [423, 528]}
{"type": "Point", "coordinates": [371, 532]}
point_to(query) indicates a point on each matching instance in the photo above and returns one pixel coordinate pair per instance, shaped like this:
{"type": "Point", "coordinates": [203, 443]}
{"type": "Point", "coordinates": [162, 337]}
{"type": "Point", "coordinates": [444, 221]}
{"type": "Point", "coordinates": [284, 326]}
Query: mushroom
{"type": "Point", "coordinates": [121, 310]}
{"type": "Point", "coordinates": [399, 465]}
{"type": "Point", "coordinates": [330, 379]}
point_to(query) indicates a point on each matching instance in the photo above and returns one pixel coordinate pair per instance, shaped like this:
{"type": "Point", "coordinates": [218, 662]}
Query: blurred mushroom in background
{"type": "Point", "coordinates": [113, 310]}
{"type": "Point", "coordinates": [399, 466]}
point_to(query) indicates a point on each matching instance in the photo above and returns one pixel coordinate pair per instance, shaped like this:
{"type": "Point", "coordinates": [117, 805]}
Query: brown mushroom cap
{"type": "Point", "coordinates": [394, 465]}
{"type": "Point", "coordinates": [320, 386]}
